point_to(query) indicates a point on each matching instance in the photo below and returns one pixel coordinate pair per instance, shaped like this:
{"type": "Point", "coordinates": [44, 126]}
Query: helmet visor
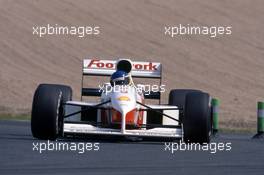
{"type": "Point", "coordinates": [120, 81]}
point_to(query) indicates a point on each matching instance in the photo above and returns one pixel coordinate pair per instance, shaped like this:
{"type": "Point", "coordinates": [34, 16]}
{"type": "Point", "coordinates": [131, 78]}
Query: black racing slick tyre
{"type": "Point", "coordinates": [47, 110]}
{"type": "Point", "coordinates": [177, 98]}
{"type": "Point", "coordinates": [197, 118]}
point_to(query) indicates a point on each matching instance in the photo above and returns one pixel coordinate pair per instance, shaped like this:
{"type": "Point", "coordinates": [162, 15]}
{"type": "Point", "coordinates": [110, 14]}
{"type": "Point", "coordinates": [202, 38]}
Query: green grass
{"type": "Point", "coordinates": [14, 116]}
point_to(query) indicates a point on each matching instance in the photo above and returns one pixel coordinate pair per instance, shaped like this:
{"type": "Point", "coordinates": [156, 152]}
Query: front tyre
{"type": "Point", "coordinates": [197, 118]}
{"type": "Point", "coordinates": [177, 97]}
{"type": "Point", "coordinates": [47, 110]}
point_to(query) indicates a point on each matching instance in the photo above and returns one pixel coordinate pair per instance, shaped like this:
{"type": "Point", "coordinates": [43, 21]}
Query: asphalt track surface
{"type": "Point", "coordinates": [125, 157]}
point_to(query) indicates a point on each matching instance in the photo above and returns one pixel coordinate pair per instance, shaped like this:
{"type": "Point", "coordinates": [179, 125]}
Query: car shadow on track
{"type": "Point", "coordinates": [119, 140]}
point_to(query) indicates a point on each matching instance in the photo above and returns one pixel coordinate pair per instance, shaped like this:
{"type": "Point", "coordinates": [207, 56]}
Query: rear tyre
{"type": "Point", "coordinates": [47, 110]}
{"type": "Point", "coordinates": [197, 118]}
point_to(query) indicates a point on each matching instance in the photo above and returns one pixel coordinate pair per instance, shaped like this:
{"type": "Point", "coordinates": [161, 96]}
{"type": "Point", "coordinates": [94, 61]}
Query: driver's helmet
{"type": "Point", "coordinates": [119, 78]}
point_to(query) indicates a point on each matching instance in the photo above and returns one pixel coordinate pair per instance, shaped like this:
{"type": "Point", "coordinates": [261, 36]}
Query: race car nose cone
{"type": "Point", "coordinates": [123, 101]}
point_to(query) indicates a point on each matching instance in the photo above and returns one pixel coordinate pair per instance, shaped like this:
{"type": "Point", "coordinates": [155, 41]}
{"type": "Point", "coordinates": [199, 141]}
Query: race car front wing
{"type": "Point", "coordinates": [72, 128]}
{"type": "Point", "coordinates": [160, 131]}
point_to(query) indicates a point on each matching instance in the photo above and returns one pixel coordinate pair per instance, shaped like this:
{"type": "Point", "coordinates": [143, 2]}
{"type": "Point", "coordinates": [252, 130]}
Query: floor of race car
{"type": "Point", "coordinates": [19, 155]}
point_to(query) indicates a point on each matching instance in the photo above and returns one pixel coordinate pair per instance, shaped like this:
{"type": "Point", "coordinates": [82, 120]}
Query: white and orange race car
{"type": "Point", "coordinates": [121, 110]}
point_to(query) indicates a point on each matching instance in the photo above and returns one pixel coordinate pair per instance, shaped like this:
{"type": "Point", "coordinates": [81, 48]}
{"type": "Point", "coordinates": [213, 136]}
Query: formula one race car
{"type": "Point", "coordinates": [121, 110]}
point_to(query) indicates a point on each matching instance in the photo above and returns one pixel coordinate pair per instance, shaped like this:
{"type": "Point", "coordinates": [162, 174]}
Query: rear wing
{"type": "Point", "coordinates": [98, 67]}
{"type": "Point", "coordinates": [107, 67]}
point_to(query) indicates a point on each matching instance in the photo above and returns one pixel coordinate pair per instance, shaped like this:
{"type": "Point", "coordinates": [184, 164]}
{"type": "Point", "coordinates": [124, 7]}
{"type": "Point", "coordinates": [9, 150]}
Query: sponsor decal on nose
{"type": "Point", "coordinates": [123, 98]}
